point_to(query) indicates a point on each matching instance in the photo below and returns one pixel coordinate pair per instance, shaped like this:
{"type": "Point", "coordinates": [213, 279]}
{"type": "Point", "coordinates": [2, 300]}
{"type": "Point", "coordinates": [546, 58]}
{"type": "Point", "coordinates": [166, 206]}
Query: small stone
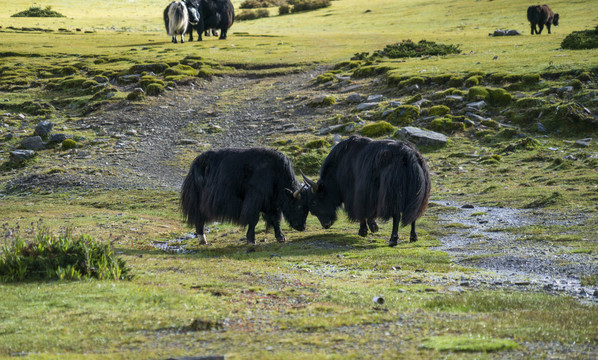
{"type": "Point", "coordinates": [58, 138]}
{"type": "Point", "coordinates": [421, 137]}
{"type": "Point", "coordinates": [467, 206]}
{"type": "Point", "coordinates": [131, 132]}
{"type": "Point", "coordinates": [454, 97]}
{"type": "Point", "coordinates": [583, 142]}
{"type": "Point", "coordinates": [354, 98]}
{"type": "Point", "coordinates": [477, 105]}
{"type": "Point", "coordinates": [395, 103]}
{"type": "Point", "coordinates": [374, 98]}
{"type": "Point", "coordinates": [413, 88]}
{"type": "Point", "coordinates": [366, 106]}
{"type": "Point", "coordinates": [18, 156]}
{"type": "Point", "coordinates": [541, 127]}
{"type": "Point", "coordinates": [565, 89]}
{"type": "Point", "coordinates": [32, 143]}
{"type": "Point", "coordinates": [43, 128]}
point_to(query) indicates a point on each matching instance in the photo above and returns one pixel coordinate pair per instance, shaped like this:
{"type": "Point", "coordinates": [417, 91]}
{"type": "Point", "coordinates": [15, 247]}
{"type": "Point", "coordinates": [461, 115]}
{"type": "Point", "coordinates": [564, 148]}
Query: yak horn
{"type": "Point", "coordinates": [314, 186]}
{"type": "Point", "coordinates": [297, 194]}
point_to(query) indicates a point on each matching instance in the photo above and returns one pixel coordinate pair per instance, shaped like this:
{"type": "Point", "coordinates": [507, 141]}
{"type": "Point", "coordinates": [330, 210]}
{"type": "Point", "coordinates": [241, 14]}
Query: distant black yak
{"type": "Point", "coordinates": [177, 16]}
{"type": "Point", "coordinates": [213, 14]}
{"type": "Point", "coordinates": [541, 15]}
{"type": "Point", "coordinates": [236, 185]}
{"type": "Point", "coordinates": [373, 179]}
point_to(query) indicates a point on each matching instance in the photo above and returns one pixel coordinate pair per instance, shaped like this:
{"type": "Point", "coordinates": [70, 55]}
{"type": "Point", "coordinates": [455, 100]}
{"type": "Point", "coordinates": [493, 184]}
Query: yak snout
{"type": "Point", "coordinates": [193, 16]}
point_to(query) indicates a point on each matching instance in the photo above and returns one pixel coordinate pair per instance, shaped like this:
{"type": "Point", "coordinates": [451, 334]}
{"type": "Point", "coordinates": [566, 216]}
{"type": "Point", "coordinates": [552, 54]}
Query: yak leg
{"type": "Point", "coordinates": [190, 35]}
{"type": "Point", "coordinates": [182, 38]}
{"type": "Point", "coordinates": [394, 236]}
{"type": "Point", "coordinates": [251, 230]}
{"type": "Point", "coordinates": [363, 229]}
{"type": "Point", "coordinates": [273, 220]}
{"type": "Point", "coordinates": [174, 39]}
{"type": "Point", "coordinates": [548, 28]}
{"type": "Point", "coordinates": [199, 231]}
{"type": "Point", "coordinates": [223, 34]}
{"type": "Point", "coordinates": [541, 26]}
{"type": "Point", "coordinates": [373, 225]}
{"type": "Point", "coordinates": [413, 235]}
{"type": "Point", "coordinates": [533, 28]}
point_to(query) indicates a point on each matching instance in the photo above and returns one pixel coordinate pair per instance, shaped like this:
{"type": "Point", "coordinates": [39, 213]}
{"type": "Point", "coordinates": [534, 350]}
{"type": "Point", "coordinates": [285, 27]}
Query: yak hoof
{"type": "Point", "coordinates": [393, 241]}
{"type": "Point", "coordinates": [373, 226]}
{"type": "Point", "coordinates": [250, 241]}
{"type": "Point", "coordinates": [281, 239]}
{"type": "Point", "coordinates": [413, 239]}
{"type": "Point", "coordinates": [363, 231]}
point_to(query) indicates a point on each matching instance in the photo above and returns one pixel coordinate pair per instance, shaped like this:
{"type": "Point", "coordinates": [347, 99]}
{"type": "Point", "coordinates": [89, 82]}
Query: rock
{"type": "Point", "coordinates": [366, 106]}
{"type": "Point", "coordinates": [477, 105]}
{"type": "Point", "coordinates": [331, 129]}
{"type": "Point", "coordinates": [421, 137]}
{"type": "Point", "coordinates": [395, 103]}
{"type": "Point", "coordinates": [583, 142]}
{"type": "Point", "coordinates": [18, 156]}
{"type": "Point", "coordinates": [354, 98]}
{"type": "Point", "coordinates": [467, 206]}
{"type": "Point", "coordinates": [421, 102]}
{"type": "Point", "coordinates": [58, 138]}
{"type": "Point", "coordinates": [349, 127]}
{"type": "Point", "coordinates": [565, 89]}
{"type": "Point", "coordinates": [43, 128]}
{"type": "Point", "coordinates": [9, 136]}
{"type": "Point", "coordinates": [374, 98]}
{"type": "Point", "coordinates": [350, 88]}
{"type": "Point", "coordinates": [413, 88]}
{"type": "Point", "coordinates": [324, 99]}
{"type": "Point", "coordinates": [498, 33]}
{"type": "Point", "coordinates": [541, 127]}
{"type": "Point", "coordinates": [131, 132]}
{"type": "Point", "coordinates": [475, 117]}
{"type": "Point", "coordinates": [454, 97]}
{"type": "Point", "coordinates": [385, 113]}
{"type": "Point", "coordinates": [32, 143]}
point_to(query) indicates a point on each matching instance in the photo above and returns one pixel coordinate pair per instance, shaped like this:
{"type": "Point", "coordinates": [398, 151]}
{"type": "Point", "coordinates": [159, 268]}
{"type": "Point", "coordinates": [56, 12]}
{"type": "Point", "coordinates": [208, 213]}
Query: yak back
{"type": "Point", "coordinates": [218, 14]}
{"type": "Point", "coordinates": [234, 185]}
{"type": "Point", "coordinates": [377, 179]}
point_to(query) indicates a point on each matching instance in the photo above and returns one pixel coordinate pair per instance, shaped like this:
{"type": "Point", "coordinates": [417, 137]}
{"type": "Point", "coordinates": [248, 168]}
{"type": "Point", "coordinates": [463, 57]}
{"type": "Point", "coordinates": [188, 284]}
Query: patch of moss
{"type": "Point", "coordinates": [498, 78]}
{"type": "Point", "coordinates": [585, 39]}
{"type": "Point", "coordinates": [468, 344]}
{"type": "Point", "coordinates": [309, 161]}
{"type": "Point", "coordinates": [403, 115]}
{"type": "Point", "coordinates": [446, 125]}
{"type": "Point", "coordinates": [573, 114]}
{"type": "Point", "coordinates": [316, 144]}
{"type": "Point", "coordinates": [529, 102]}
{"type": "Point", "coordinates": [416, 80]}
{"type": "Point", "coordinates": [136, 95]}
{"type": "Point", "coordinates": [456, 81]}
{"type": "Point", "coordinates": [478, 93]}
{"type": "Point", "coordinates": [205, 73]}
{"type": "Point", "coordinates": [69, 144]}
{"type": "Point", "coordinates": [439, 110]}
{"type": "Point", "coordinates": [155, 68]}
{"type": "Point", "coordinates": [377, 129]}
{"type": "Point", "coordinates": [490, 123]}
{"type": "Point", "coordinates": [473, 81]}
{"type": "Point", "coordinates": [324, 78]}
{"type": "Point", "coordinates": [527, 143]}
{"type": "Point", "coordinates": [530, 79]}
{"type": "Point", "coordinates": [512, 78]}
{"type": "Point", "coordinates": [149, 79]}
{"type": "Point", "coordinates": [441, 79]}
{"type": "Point", "coordinates": [154, 89]}
{"type": "Point", "coordinates": [576, 83]}
{"type": "Point", "coordinates": [414, 98]}
{"type": "Point", "coordinates": [499, 97]}
{"type": "Point", "coordinates": [180, 69]}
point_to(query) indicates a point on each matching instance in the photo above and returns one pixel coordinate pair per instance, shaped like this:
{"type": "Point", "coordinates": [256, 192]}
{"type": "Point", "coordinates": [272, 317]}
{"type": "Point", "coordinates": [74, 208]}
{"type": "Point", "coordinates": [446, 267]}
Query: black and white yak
{"type": "Point", "coordinates": [177, 17]}
{"type": "Point", "coordinates": [373, 179]}
{"type": "Point", "coordinates": [213, 14]}
{"type": "Point", "coordinates": [236, 185]}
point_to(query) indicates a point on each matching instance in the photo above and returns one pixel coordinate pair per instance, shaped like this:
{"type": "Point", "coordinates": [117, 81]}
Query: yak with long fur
{"type": "Point", "coordinates": [236, 185]}
{"type": "Point", "coordinates": [213, 14]}
{"type": "Point", "coordinates": [177, 17]}
{"type": "Point", "coordinates": [541, 15]}
{"type": "Point", "coordinates": [373, 179]}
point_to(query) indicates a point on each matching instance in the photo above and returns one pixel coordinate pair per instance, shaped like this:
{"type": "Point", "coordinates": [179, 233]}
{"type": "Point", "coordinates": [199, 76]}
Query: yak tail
{"type": "Point", "coordinates": [190, 201]}
{"type": "Point", "coordinates": [418, 186]}
{"type": "Point", "coordinates": [176, 18]}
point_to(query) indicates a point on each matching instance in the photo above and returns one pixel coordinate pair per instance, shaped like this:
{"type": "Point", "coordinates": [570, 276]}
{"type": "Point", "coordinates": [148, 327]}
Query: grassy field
{"type": "Point", "coordinates": [312, 297]}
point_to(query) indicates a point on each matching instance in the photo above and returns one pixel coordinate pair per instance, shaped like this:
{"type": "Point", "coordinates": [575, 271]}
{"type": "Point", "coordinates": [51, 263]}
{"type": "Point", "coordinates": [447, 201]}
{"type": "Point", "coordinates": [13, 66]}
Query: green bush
{"type": "Point", "coordinates": [577, 40]}
{"type": "Point", "coordinates": [284, 9]}
{"type": "Point", "coordinates": [306, 5]}
{"type": "Point", "coordinates": [377, 129]}
{"type": "Point", "coordinates": [37, 11]}
{"type": "Point", "coordinates": [408, 48]}
{"type": "Point", "coordinates": [62, 257]}
{"type": "Point", "coordinates": [252, 14]}
{"type": "Point", "coordinates": [439, 110]}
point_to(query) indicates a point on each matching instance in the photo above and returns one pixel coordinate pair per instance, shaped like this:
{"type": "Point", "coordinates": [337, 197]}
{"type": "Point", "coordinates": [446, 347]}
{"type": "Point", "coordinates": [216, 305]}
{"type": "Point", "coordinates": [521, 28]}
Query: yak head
{"type": "Point", "coordinates": [555, 20]}
{"type": "Point", "coordinates": [193, 15]}
{"type": "Point", "coordinates": [321, 202]}
{"type": "Point", "coordinates": [294, 207]}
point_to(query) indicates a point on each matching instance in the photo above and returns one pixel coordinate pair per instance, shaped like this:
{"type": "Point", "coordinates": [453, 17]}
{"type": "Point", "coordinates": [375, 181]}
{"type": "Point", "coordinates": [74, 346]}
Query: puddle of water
{"type": "Point", "coordinates": [176, 246]}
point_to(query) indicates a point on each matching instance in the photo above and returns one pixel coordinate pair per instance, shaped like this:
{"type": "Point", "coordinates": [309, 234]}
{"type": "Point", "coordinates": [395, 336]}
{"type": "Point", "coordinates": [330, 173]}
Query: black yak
{"type": "Point", "coordinates": [541, 15]}
{"type": "Point", "coordinates": [374, 179]}
{"type": "Point", "coordinates": [213, 14]}
{"type": "Point", "coordinates": [177, 16]}
{"type": "Point", "coordinates": [235, 185]}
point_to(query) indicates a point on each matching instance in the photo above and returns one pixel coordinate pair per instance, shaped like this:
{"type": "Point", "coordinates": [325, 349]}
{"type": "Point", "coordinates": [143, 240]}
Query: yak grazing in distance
{"type": "Point", "coordinates": [213, 14]}
{"type": "Point", "coordinates": [541, 15]}
{"type": "Point", "coordinates": [177, 16]}
{"type": "Point", "coordinates": [235, 185]}
{"type": "Point", "coordinates": [374, 179]}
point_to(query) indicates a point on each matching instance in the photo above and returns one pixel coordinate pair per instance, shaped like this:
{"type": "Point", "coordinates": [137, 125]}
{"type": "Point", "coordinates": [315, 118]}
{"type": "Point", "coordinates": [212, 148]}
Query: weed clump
{"type": "Point", "coordinates": [377, 129]}
{"type": "Point", "coordinates": [37, 11]}
{"type": "Point", "coordinates": [408, 48]}
{"type": "Point", "coordinates": [527, 143]}
{"type": "Point", "coordinates": [551, 199]}
{"type": "Point", "coordinates": [577, 40]}
{"type": "Point", "coordinates": [307, 5]}
{"type": "Point", "coordinates": [252, 14]}
{"type": "Point", "coordinates": [62, 257]}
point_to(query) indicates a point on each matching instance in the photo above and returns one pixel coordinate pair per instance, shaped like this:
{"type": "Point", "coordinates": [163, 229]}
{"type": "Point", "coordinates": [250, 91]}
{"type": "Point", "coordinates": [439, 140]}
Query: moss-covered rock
{"type": "Point", "coordinates": [155, 68]}
{"type": "Point", "coordinates": [441, 79]}
{"type": "Point", "coordinates": [473, 81]}
{"type": "Point", "coordinates": [309, 161]}
{"type": "Point", "coordinates": [316, 144]}
{"type": "Point", "coordinates": [529, 102]}
{"type": "Point", "coordinates": [377, 129]}
{"type": "Point", "coordinates": [439, 110]}
{"type": "Point", "coordinates": [154, 89]}
{"type": "Point", "coordinates": [180, 69]}
{"type": "Point", "coordinates": [576, 83]}
{"type": "Point", "coordinates": [498, 78]}
{"type": "Point", "coordinates": [324, 78]}
{"type": "Point", "coordinates": [530, 79]}
{"type": "Point", "coordinates": [478, 93]}
{"type": "Point", "coordinates": [499, 97]}
{"type": "Point", "coordinates": [205, 73]}
{"type": "Point", "coordinates": [148, 79]}
{"type": "Point", "coordinates": [403, 115]}
{"type": "Point", "coordinates": [490, 123]}
{"type": "Point", "coordinates": [416, 80]}
{"type": "Point", "coordinates": [456, 81]}
{"type": "Point", "coordinates": [446, 125]}
{"type": "Point", "coordinates": [136, 95]}
{"type": "Point", "coordinates": [69, 144]}
{"type": "Point", "coordinates": [414, 98]}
